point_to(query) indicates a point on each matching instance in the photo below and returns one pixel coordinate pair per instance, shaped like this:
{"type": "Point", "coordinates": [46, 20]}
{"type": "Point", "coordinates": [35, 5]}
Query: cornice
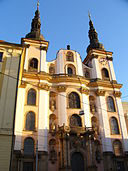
{"type": "Point", "coordinates": [84, 91]}
{"type": "Point", "coordinates": [55, 78]}
{"type": "Point", "coordinates": [117, 93]}
{"type": "Point", "coordinates": [96, 52]}
{"type": "Point", "coordinates": [22, 84]}
{"type": "Point", "coordinates": [44, 86]}
{"type": "Point", "coordinates": [61, 88]}
{"type": "Point", "coordinates": [107, 84]}
{"type": "Point", "coordinates": [100, 92]}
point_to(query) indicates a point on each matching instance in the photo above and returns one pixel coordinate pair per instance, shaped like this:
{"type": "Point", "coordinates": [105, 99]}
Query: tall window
{"type": "Point", "coordinates": [33, 64]}
{"type": "Point", "coordinates": [70, 71]}
{"type": "Point", "coordinates": [28, 146]}
{"type": "Point", "coordinates": [74, 100]}
{"type": "Point", "coordinates": [30, 121]}
{"type": "Point", "coordinates": [117, 146]}
{"type": "Point", "coordinates": [31, 98]}
{"type": "Point", "coordinates": [114, 125]}
{"type": "Point", "coordinates": [75, 120]}
{"type": "Point", "coordinates": [110, 104]}
{"type": "Point", "coordinates": [105, 74]}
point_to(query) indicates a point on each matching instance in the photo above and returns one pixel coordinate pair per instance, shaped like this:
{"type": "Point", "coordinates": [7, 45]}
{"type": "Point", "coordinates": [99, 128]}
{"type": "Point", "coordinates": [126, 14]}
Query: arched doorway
{"type": "Point", "coordinates": [77, 162]}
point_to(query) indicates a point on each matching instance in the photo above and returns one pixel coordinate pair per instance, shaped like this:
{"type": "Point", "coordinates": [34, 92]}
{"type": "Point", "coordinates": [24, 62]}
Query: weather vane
{"type": "Point", "coordinates": [38, 4]}
{"type": "Point", "coordinates": [89, 15]}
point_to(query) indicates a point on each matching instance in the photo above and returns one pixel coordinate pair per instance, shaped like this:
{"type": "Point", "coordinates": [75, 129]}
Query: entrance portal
{"type": "Point", "coordinates": [77, 162]}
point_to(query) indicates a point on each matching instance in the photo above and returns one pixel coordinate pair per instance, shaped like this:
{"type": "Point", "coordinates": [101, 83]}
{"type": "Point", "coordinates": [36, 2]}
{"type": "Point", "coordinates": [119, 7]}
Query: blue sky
{"type": "Point", "coordinates": [66, 22]}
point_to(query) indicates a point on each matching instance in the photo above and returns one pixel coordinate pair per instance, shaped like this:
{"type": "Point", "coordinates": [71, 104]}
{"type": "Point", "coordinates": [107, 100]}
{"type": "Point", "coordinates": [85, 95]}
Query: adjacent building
{"type": "Point", "coordinates": [10, 55]}
{"type": "Point", "coordinates": [69, 114]}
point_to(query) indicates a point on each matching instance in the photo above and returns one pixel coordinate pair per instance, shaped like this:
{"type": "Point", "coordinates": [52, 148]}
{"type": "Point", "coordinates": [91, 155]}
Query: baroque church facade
{"type": "Point", "coordinates": [69, 114]}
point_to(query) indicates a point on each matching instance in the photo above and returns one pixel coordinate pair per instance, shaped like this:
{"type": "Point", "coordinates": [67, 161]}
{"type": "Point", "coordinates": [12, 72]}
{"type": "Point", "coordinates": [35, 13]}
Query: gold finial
{"type": "Point", "coordinates": [38, 4]}
{"type": "Point", "coordinates": [89, 15]}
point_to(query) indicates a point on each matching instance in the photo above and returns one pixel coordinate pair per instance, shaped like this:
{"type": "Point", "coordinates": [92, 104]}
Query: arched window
{"type": "Point", "coordinates": [31, 98]}
{"type": "Point", "coordinates": [70, 71]}
{"type": "Point", "coordinates": [114, 125]}
{"type": "Point", "coordinates": [33, 64]}
{"type": "Point", "coordinates": [74, 100]}
{"type": "Point", "coordinates": [28, 146]}
{"type": "Point", "coordinates": [105, 74]}
{"type": "Point", "coordinates": [30, 121]}
{"type": "Point", "coordinates": [117, 146]}
{"type": "Point", "coordinates": [69, 56]}
{"type": "Point", "coordinates": [87, 74]}
{"type": "Point", "coordinates": [75, 120]}
{"type": "Point", "coordinates": [110, 104]}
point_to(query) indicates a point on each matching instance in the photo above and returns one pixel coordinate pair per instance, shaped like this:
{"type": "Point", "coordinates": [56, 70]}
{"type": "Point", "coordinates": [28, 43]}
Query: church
{"type": "Point", "coordinates": [69, 114]}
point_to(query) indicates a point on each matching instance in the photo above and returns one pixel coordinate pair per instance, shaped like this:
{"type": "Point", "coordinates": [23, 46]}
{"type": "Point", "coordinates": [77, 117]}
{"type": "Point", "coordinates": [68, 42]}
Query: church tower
{"type": "Point", "coordinates": [108, 110]}
{"type": "Point", "coordinates": [32, 101]}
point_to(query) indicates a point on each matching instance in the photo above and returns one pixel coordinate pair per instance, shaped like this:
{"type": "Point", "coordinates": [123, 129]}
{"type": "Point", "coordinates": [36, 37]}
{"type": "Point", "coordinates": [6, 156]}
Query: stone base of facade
{"type": "Point", "coordinates": [92, 168]}
{"type": "Point", "coordinates": [65, 169]}
{"type": "Point", "coordinates": [42, 161]}
{"type": "Point", "coordinates": [108, 160]}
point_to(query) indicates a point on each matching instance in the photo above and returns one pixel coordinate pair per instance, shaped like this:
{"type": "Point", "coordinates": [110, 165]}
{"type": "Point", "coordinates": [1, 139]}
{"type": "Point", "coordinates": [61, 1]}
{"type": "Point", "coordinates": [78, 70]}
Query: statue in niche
{"type": "Point", "coordinates": [52, 105]}
{"type": "Point", "coordinates": [92, 107]}
{"type": "Point", "coordinates": [52, 124]}
{"type": "Point", "coordinates": [95, 127]}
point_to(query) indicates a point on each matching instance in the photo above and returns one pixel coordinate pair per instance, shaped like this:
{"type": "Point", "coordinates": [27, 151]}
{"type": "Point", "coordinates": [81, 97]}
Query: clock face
{"type": "Point", "coordinates": [103, 61]}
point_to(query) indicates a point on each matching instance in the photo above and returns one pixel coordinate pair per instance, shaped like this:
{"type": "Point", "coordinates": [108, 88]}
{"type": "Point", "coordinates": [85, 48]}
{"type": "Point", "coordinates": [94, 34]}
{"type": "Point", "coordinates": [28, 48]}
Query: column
{"type": "Point", "coordinates": [62, 105]}
{"type": "Point", "coordinates": [96, 72]}
{"type": "Point", "coordinates": [104, 121]}
{"type": "Point", "coordinates": [43, 64]}
{"type": "Point", "coordinates": [122, 123]}
{"type": "Point", "coordinates": [86, 106]}
{"type": "Point", "coordinates": [111, 69]}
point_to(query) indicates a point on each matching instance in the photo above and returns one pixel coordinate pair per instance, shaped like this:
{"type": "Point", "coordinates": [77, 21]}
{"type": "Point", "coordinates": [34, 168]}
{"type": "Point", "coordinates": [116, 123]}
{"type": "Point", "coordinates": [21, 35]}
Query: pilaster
{"type": "Point", "coordinates": [96, 73]}
{"type": "Point", "coordinates": [62, 105]}
{"type": "Point", "coordinates": [122, 123]}
{"type": "Point", "coordinates": [19, 118]}
{"type": "Point", "coordinates": [86, 106]}
{"type": "Point", "coordinates": [111, 68]}
{"type": "Point", "coordinates": [43, 64]}
{"type": "Point", "coordinates": [104, 121]}
{"type": "Point", "coordinates": [25, 59]}
{"type": "Point", "coordinates": [43, 120]}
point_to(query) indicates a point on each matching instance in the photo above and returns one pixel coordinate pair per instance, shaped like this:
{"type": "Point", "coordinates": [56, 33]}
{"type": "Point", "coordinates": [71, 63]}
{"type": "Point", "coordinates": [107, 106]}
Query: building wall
{"type": "Point", "coordinates": [53, 82]}
{"type": "Point", "coordinates": [8, 78]}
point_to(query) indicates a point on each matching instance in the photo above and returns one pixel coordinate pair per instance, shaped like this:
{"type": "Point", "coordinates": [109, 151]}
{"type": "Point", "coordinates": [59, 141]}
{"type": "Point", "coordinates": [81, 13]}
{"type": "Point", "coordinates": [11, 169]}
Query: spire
{"type": "Point", "coordinates": [93, 36]}
{"type": "Point", "coordinates": [36, 26]}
